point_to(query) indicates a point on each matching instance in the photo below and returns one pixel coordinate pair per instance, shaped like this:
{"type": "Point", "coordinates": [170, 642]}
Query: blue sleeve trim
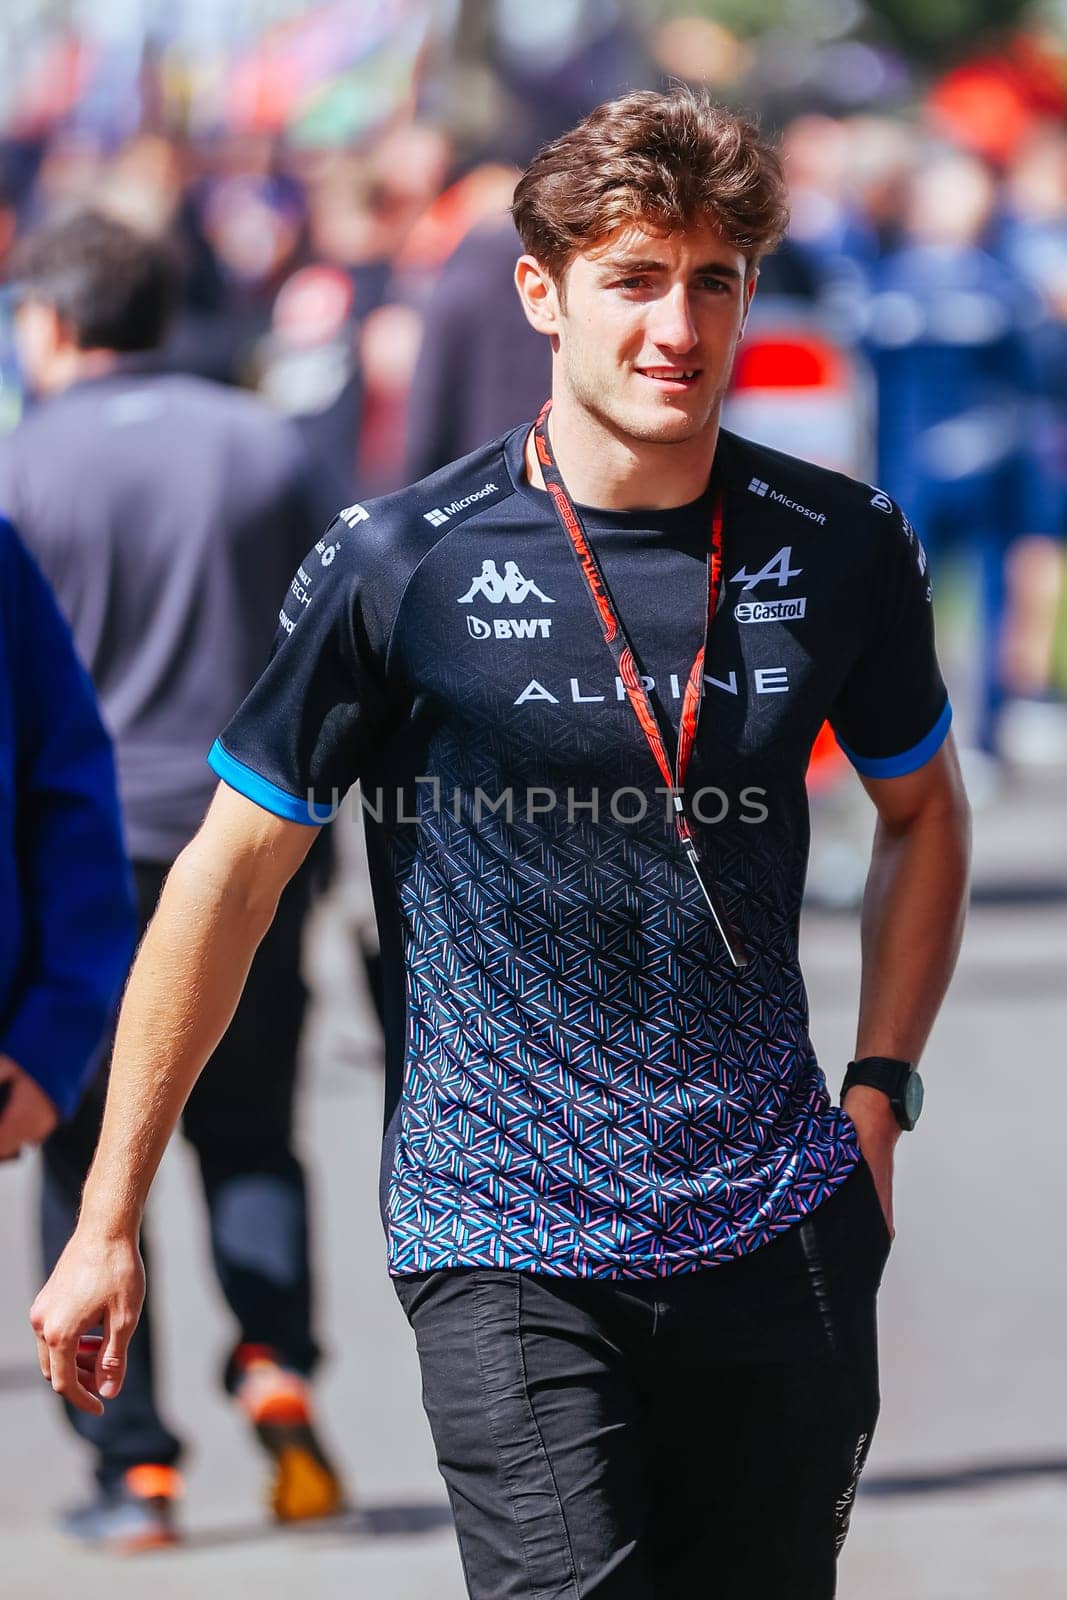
{"type": "Point", "coordinates": [258, 789]}
{"type": "Point", "coordinates": [909, 760]}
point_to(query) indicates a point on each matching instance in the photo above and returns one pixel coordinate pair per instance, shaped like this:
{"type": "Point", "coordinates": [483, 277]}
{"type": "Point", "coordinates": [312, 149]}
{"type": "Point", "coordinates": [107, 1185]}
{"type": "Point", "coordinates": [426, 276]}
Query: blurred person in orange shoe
{"type": "Point", "coordinates": [169, 512]}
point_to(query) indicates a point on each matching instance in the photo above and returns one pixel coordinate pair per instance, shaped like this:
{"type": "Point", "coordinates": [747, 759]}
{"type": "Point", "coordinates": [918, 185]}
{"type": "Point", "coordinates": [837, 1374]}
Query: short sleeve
{"type": "Point", "coordinates": [892, 713]}
{"type": "Point", "coordinates": [306, 731]}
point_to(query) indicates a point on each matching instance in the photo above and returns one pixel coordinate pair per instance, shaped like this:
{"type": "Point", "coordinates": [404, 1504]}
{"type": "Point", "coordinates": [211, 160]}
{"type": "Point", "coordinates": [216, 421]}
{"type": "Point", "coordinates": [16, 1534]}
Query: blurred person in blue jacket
{"type": "Point", "coordinates": [946, 333]}
{"type": "Point", "coordinates": [1032, 238]}
{"type": "Point", "coordinates": [845, 178]}
{"type": "Point", "coordinates": [169, 513]}
{"type": "Point", "coordinates": [66, 933]}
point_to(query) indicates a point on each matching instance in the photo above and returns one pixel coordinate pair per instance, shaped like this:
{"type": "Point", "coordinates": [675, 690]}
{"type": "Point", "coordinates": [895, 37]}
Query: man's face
{"type": "Point", "coordinates": [648, 328]}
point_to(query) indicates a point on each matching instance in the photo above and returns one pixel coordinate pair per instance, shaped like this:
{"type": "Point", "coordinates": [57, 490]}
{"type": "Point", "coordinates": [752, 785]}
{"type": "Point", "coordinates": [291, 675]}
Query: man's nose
{"type": "Point", "coordinates": [673, 326]}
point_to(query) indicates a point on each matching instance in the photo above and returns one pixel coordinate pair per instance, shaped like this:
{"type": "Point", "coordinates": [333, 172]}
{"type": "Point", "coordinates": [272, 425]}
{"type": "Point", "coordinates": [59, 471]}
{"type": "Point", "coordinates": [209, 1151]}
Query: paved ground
{"type": "Point", "coordinates": [966, 1493]}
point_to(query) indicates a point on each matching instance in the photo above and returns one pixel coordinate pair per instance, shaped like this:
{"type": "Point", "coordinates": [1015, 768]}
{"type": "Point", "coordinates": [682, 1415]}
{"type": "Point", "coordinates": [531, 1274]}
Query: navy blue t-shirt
{"type": "Point", "coordinates": [578, 1080]}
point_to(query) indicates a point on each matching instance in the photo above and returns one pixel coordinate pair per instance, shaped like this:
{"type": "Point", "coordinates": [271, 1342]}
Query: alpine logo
{"type": "Point", "coordinates": [353, 514]}
{"type": "Point", "coordinates": [441, 514]}
{"type": "Point", "coordinates": [510, 628]}
{"type": "Point", "coordinates": [509, 585]}
{"type": "Point", "coordinates": [765, 492]}
{"type": "Point", "coordinates": [776, 570]}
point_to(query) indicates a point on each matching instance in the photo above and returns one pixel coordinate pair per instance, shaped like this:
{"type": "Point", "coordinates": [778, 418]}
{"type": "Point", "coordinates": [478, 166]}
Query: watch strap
{"type": "Point", "coordinates": [878, 1072]}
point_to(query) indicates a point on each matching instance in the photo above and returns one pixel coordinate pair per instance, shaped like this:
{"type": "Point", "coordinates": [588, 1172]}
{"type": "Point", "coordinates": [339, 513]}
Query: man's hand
{"type": "Point", "coordinates": [28, 1115]}
{"type": "Point", "coordinates": [878, 1131]}
{"type": "Point", "coordinates": [97, 1282]}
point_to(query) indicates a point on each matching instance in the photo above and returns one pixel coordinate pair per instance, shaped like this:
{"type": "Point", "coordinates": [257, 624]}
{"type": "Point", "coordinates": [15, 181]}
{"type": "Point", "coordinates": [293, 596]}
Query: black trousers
{"type": "Point", "coordinates": [239, 1122]}
{"type": "Point", "coordinates": [696, 1437]}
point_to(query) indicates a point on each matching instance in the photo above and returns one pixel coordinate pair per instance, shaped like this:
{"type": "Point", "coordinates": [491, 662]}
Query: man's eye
{"type": "Point", "coordinates": [719, 285]}
{"type": "Point", "coordinates": [631, 283]}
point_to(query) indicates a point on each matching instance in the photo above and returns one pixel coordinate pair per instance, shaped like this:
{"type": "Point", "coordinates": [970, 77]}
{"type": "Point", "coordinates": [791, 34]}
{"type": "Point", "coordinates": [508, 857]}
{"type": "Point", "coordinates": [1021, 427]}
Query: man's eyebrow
{"type": "Point", "coordinates": [720, 269]}
{"type": "Point", "coordinates": [626, 264]}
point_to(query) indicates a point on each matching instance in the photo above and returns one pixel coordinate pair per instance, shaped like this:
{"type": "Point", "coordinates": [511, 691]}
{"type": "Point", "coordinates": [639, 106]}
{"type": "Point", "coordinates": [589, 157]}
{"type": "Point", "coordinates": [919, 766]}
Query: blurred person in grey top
{"type": "Point", "coordinates": [169, 513]}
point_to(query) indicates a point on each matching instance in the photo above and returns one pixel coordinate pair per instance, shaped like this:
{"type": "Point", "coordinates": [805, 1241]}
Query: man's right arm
{"type": "Point", "coordinates": [218, 903]}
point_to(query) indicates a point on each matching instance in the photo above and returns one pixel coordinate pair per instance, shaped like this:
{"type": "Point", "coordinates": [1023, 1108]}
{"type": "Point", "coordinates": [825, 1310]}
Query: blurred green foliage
{"type": "Point", "coordinates": [937, 26]}
{"type": "Point", "coordinates": [923, 29]}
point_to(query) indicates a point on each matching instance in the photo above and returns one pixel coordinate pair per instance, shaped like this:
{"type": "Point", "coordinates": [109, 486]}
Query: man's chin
{"type": "Point", "coordinates": [661, 419]}
{"type": "Point", "coordinates": [666, 425]}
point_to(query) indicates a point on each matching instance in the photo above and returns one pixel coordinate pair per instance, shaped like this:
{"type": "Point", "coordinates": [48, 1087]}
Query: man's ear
{"type": "Point", "coordinates": [37, 336]}
{"type": "Point", "coordinates": [748, 290]}
{"type": "Point", "coordinates": [538, 294]}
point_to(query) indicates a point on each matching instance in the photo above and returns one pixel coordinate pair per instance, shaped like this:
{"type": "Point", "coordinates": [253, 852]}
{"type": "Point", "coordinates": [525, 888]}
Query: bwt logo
{"type": "Point", "coordinates": [440, 514]}
{"type": "Point", "coordinates": [510, 628]}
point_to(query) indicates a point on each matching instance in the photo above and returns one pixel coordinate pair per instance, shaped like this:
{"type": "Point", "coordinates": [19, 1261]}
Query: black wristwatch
{"type": "Point", "coordinates": [896, 1079]}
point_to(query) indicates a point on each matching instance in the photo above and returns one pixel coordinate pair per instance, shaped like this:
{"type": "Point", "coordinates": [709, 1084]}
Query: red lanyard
{"type": "Point", "coordinates": [650, 715]}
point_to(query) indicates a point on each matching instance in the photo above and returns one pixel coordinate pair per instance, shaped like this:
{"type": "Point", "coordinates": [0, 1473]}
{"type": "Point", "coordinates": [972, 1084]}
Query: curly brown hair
{"type": "Point", "coordinates": [667, 161]}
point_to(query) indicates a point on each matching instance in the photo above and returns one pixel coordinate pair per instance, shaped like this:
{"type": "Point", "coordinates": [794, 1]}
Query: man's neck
{"type": "Point", "coordinates": [71, 365]}
{"type": "Point", "coordinates": [606, 469]}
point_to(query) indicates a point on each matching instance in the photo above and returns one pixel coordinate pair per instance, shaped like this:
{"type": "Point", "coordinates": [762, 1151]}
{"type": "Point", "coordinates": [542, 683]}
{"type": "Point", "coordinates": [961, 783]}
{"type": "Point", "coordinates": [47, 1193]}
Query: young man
{"type": "Point", "coordinates": [638, 1245]}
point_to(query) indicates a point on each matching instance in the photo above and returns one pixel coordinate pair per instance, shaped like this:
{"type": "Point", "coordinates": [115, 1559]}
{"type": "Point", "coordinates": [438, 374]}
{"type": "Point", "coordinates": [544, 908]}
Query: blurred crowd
{"type": "Point", "coordinates": [332, 195]}
{"type": "Point", "coordinates": [912, 330]}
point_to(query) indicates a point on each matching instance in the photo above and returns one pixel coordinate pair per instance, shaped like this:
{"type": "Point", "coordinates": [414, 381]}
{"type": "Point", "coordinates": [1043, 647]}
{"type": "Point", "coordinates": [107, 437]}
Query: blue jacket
{"type": "Point", "coordinates": [945, 337]}
{"type": "Point", "coordinates": [66, 905]}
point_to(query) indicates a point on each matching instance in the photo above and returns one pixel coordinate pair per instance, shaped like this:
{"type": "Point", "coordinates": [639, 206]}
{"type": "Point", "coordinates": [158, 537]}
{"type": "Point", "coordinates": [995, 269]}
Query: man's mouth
{"type": "Point", "coordinates": [671, 377]}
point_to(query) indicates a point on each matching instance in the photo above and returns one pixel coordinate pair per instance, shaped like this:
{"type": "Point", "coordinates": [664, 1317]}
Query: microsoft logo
{"type": "Point", "coordinates": [757, 486]}
{"type": "Point", "coordinates": [440, 514]}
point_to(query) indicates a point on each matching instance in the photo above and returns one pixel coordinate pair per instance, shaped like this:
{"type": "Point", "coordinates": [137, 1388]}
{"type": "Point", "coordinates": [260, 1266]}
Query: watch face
{"type": "Point", "coordinates": [913, 1098]}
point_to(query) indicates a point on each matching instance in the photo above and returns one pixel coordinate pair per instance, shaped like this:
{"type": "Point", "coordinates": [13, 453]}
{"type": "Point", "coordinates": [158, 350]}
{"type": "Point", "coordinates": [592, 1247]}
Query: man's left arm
{"type": "Point", "coordinates": [912, 924]}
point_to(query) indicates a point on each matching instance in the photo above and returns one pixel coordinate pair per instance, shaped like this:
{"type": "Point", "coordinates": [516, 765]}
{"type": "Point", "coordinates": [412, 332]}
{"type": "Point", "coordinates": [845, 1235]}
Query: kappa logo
{"type": "Point", "coordinates": [354, 514]}
{"type": "Point", "coordinates": [765, 492]}
{"type": "Point", "coordinates": [510, 628]}
{"type": "Point", "coordinates": [441, 514]}
{"type": "Point", "coordinates": [510, 585]}
{"type": "Point", "coordinates": [882, 502]}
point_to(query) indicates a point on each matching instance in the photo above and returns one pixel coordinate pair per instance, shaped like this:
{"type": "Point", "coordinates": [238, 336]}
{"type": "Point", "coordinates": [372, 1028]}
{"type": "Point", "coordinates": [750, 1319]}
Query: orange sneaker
{"type": "Point", "coordinates": [304, 1483]}
{"type": "Point", "coordinates": [132, 1516]}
